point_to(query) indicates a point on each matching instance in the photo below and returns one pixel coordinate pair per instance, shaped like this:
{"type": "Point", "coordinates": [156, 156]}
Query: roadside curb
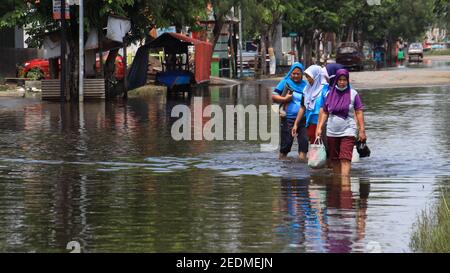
{"type": "Point", "coordinates": [12, 94]}
{"type": "Point", "coordinates": [223, 81]}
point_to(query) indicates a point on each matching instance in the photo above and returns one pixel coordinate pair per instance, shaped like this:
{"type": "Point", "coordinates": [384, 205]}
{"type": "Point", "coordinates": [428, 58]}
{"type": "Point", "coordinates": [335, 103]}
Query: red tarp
{"type": "Point", "coordinates": [203, 52]}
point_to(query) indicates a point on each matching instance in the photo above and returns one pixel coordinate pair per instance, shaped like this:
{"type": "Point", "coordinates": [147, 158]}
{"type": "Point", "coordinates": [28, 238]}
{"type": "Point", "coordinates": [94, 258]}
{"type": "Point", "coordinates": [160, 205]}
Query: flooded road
{"type": "Point", "coordinates": [427, 63]}
{"type": "Point", "coordinates": [112, 178]}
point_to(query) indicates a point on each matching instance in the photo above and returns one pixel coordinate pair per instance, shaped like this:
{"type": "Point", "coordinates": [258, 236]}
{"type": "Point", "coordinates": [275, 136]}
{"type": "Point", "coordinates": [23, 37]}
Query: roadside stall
{"type": "Point", "coordinates": [186, 62]}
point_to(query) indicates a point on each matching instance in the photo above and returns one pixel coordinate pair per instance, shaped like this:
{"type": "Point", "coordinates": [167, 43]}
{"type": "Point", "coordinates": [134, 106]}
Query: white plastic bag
{"type": "Point", "coordinates": [117, 28]}
{"type": "Point", "coordinates": [355, 155]}
{"type": "Point", "coordinates": [317, 154]}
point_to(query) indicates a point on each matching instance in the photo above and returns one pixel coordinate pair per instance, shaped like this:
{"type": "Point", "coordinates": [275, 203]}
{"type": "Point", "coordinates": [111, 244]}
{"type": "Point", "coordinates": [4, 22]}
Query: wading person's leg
{"type": "Point", "coordinates": [345, 154]}
{"type": "Point", "coordinates": [311, 132]}
{"type": "Point", "coordinates": [333, 149]}
{"type": "Point", "coordinates": [286, 138]}
{"type": "Point", "coordinates": [345, 167]}
{"type": "Point", "coordinates": [302, 139]}
{"type": "Point", "coordinates": [336, 164]}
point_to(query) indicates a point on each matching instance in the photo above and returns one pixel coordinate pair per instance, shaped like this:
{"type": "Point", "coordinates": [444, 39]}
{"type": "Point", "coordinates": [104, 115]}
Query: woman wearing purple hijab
{"type": "Point", "coordinates": [342, 106]}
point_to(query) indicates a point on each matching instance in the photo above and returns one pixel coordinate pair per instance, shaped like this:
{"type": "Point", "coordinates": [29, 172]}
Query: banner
{"type": "Point", "coordinates": [57, 9]}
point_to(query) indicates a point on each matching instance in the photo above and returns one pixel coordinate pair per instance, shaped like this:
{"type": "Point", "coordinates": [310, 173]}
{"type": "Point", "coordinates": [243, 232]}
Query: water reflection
{"type": "Point", "coordinates": [434, 64]}
{"type": "Point", "coordinates": [324, 214]}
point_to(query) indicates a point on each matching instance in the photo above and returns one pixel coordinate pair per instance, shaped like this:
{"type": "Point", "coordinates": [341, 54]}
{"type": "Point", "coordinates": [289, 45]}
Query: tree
{"type": "Point", "coordinates": [310, 21]}
{"type": "Point", "coordinates": [264, 16]}
{"type": "Point", "coordinates": [221, 11]}
{"type": "Point", "coordinates": [355, 20]}
{"type": "Point", "coordinates": [395, 19]}
{"type": "Point", "coordinates": [36, 18]}
{"type": "Point", "coordinates": [442, 12]}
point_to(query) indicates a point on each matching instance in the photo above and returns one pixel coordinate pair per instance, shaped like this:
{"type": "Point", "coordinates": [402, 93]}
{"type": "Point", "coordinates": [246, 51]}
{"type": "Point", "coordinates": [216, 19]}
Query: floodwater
{"type": "Point", "coordinates": [426, 63]}
{"type": "Point", "coordinates": [111, 177]}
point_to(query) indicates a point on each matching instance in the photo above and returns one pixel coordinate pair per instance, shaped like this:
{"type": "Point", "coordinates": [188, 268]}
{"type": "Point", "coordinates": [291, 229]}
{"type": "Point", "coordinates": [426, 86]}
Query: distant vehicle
{"type": "Point", "coordinates": [39, 68]}
{"type": "Point", "coordinates": [35, 69]}
{"type": "Point", "coordinates": [415, 51]}
{"type": "Point", "coordinates": [438, 46]}
{"type": "Point", "coordinates": [251, 46]}
{"type": "Point", "coordinates": [248, 59]}
{"type": "Point", "coordinates": [426, 47]}
{"type": "Point", "coordinates": [351, 56]}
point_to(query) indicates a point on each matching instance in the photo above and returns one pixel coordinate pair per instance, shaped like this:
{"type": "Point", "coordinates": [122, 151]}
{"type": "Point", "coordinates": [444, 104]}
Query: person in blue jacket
{"type": "Point", "coordinates": [289, 93]}
{"type": "Point", "coordinates": [313, 96]}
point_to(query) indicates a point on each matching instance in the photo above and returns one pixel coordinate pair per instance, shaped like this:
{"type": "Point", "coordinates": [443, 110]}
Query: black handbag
{"type": "Point", "coordinates": [362, 148]}
{"type": "Point", "coordinates": [286, 90]}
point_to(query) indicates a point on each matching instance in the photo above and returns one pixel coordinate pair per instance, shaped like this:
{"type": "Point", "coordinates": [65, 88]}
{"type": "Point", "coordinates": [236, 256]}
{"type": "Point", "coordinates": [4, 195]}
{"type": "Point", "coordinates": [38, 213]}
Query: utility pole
{"type": "Point", "coordinates": [81, 52]}
{"type": "Point", "coordinates": [63, 50]}
{"type": "Point", "coordinates": [240, 43]}
{"type": "Point", "coordinates": [125, 66]}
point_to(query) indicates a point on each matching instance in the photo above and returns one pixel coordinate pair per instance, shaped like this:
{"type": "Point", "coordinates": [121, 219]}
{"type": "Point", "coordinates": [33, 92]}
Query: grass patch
{"type": "Point", "coordinates": [432, 229]}
{"type": "Point", "coordinates": [439, 52]}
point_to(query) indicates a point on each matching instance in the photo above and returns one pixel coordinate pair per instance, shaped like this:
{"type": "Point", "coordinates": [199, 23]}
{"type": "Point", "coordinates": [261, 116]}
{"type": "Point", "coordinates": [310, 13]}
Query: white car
{"type": "Point", "coordinates": [415, 50]}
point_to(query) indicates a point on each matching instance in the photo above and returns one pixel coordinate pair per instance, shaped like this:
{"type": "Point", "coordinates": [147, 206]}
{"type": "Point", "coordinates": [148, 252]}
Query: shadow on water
{"type": "Point", "coordinates": [110, 176]}
{"type": "Point", "coordinates": [324, 214]}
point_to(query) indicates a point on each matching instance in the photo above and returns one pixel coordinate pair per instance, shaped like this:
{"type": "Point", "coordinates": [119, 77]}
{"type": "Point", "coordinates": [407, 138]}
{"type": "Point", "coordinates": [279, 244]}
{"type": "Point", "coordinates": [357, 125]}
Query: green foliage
{"type": "Point", "coordinates": [390, 20]}
{"type": "Point", "coordinates": [302, 15]}
{"type": "Point", "coordinates": [261, 17]}
{"type": "Point", "coordinates": [35, 74]}
{"type": "Point", "coordinates": [144, 14]}
{"type": "Point", "coordinates": [442, 11]}
{"type": "Point", "coordinates": [398, 18]}
{"type": "Point", "coordinates": [432, 232]}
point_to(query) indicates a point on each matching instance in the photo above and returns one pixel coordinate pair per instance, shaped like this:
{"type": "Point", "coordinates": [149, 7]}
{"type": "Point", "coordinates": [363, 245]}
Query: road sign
{"type": "Point", "coordinates": [57, 9]}
{"type": "Point", "coordinates": [293, 34]}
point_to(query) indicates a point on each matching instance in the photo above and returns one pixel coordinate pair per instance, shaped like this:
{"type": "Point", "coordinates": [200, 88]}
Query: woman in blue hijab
{"type": "Point", "coordinates": [289, 93]}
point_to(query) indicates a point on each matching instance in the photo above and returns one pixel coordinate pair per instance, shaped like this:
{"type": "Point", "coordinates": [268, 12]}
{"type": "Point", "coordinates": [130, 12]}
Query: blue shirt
{"type": "Point", "coordinates": [294, 105]}
{"type": "Point", "coordinates": [377, 56]}
{"type": "Point", "coordinates": [312, 116]}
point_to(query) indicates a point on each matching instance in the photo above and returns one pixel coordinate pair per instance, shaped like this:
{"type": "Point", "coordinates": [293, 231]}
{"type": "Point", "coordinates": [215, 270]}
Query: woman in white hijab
{"type": "Point", "coordinates": [314, 95]}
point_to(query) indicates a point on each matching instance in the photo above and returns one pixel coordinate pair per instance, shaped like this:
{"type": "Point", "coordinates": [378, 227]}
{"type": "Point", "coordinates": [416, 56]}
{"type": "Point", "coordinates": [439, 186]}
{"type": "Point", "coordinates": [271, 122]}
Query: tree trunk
{"type": "Point", "coordinates": [73, 66]}
{"type": "Point", "coordinates": [235, 49]}
{"type": "Point", "coordinates": [391, 57]}
{"type": "Point", "coordinates": [308, 54]}
{"type": "Point", "coordinates": [262, 61]}
{"type": "Point", "coordinates": [109, 71]}
{"type": "Point", "coordinates": [100, 52]}
{"type": "Point", "coordinates": [350, 34]}
{"type": "Point", "coordinates": [300, 43]}
{"type": "Point", "coordinates": [232, 53]}
{"type": "Point", "coordinates": [317, 54]}
{"type": "Point", "coordinates": [218, 25]}
{"type": "Point", "coordinates": [271, 48]}
{"type": "Point", "coordinates": [125, 65]}
{"type": "Point", "coordinates": [54, 68]}
{"type": "Point", "coordinates": [307, 48]}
